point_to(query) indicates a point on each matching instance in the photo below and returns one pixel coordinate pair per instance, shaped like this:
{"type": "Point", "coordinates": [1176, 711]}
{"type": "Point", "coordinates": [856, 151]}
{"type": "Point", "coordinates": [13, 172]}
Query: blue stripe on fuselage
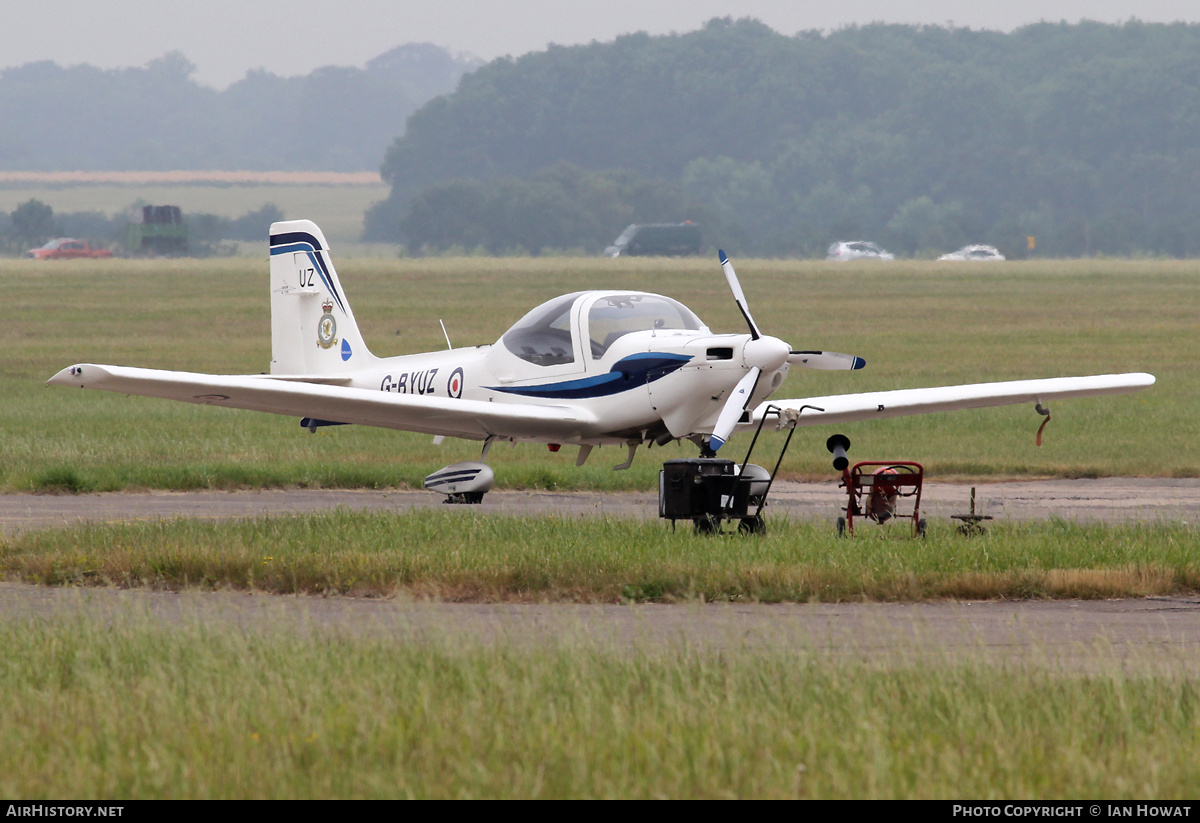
{"type": "Point", "coordinates": [627, 373]}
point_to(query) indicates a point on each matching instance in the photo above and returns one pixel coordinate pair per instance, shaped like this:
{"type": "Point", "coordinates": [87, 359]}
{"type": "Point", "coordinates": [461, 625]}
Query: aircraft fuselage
{"type": "Point", "coordinates": [642, 388]}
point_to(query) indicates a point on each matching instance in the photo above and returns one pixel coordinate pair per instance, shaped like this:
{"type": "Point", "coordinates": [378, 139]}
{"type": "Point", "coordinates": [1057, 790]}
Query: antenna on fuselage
{"type": "Point", "coordinates": [443, 325]}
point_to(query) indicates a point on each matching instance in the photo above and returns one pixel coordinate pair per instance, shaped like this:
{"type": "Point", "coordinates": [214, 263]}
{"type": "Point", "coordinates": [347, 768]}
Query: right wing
{"type": "Point", "coordinates": [452, 417]}
{"type": "Point", "coordinates": [845, 408]}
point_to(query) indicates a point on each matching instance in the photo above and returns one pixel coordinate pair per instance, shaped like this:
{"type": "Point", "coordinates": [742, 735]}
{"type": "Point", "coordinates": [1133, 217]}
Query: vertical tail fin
{"type": "Point", "coordinates": [313, 330]}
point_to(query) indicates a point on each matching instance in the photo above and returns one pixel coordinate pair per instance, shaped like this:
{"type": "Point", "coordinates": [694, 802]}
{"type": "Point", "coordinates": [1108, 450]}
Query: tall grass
{"type": "Point", "coordinates": [917, 324]}
{"type": "Point", "coordinates": [464, 557]}
{"type": "Point", "coordinates": [131, 708]}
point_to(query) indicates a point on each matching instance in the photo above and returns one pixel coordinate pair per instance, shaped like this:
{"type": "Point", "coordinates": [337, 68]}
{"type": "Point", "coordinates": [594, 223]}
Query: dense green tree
{"type": "Point", "coordinates": [560, 208]}
{"type": "Point", "coordinates": [1086, 136]}
{"type": "Point", "coordinates": [33, 223]}
{"type": "Point", "coordinates": [741, 194]}
{"type": "Point", "coordinates": [922, 226]}
{"type": "Point", "coordinates": [254, 225]}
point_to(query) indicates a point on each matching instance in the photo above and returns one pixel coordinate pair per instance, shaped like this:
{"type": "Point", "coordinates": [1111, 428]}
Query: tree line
{"type": "Point", "coordinates": [925, 138]}
{"type": "Point", "coordinates": [33, 222]}
{"type": "Point", "coordinates": [156, 117]}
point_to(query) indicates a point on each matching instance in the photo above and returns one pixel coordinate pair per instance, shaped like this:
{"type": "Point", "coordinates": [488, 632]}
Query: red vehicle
{"type": "Point", "coordinates": [65, 248]}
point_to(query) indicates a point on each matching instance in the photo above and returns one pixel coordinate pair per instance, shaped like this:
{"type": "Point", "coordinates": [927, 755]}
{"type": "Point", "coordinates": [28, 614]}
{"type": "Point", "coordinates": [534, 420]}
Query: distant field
{"type": "Point", "coordinates": [916, 323]}
{"type": "Point", "coordinates": [335, 201]}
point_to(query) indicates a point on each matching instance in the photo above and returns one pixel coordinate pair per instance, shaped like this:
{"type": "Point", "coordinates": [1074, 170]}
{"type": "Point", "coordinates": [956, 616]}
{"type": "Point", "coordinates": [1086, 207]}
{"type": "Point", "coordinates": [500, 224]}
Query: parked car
{"type": "Point", "coordinates": [857, 250]}
{"type": "Point", "coordinates": [656, 239]}
{"type": "Point", "coordinates": [67, 247]}
{"type": "Point", "coordinates": [981, 253]}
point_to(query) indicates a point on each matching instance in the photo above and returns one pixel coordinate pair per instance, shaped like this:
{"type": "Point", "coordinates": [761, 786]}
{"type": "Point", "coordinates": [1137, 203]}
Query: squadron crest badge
{"type": "Point", "coordinates": [327, 327]}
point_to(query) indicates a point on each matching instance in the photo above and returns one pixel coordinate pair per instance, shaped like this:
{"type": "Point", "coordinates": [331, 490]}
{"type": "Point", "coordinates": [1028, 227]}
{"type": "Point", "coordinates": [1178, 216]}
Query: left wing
{"type": "Point", "coordinates": [845, 408]}
{"type": "Point", "coordinates": [470, 419]}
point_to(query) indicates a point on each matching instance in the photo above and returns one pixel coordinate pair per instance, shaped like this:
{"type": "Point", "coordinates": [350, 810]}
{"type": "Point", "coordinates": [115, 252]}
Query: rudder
{"type": "Point", "coordinates": [313, 331]}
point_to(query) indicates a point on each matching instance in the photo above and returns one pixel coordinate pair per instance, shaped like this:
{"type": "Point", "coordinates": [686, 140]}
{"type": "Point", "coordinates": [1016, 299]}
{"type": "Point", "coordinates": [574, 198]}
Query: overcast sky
{"type": "Point", "coordinates": [226, 38]}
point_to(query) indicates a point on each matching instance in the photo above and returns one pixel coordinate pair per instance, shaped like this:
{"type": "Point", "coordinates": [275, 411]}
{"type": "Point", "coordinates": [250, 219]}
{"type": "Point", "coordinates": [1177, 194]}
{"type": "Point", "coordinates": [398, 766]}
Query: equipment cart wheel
{"type": "Point", "coordinates": [841, 526]}
{"type": "Point", "coordinates": [707, 524]}
{"type": "Point", "coordinates": [754, 524]}
{"type": "Point", "coordinates": [922, 525]}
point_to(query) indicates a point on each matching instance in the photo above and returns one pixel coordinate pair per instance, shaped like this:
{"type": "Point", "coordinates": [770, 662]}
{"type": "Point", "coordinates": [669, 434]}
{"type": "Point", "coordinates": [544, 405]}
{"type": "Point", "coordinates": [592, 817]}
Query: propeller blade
{"type": "Point", "coordinates": [734, 406]}
{"type": "Point", "coordinates": [826, 360]}
{"type": "Point", "coordinates": [738, 296]}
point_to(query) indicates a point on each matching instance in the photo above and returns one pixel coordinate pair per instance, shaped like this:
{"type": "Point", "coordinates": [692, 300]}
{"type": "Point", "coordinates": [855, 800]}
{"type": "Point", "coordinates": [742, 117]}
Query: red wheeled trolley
{"type": "Point", "coordinates": [880, 490]}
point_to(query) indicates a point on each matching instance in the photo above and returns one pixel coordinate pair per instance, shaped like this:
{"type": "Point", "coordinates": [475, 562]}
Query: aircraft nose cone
{"type": "Point", "coordinates": [768, 353]}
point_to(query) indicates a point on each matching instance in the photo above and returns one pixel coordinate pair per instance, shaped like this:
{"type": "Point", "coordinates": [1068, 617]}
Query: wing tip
{"type": "Point", "coordinates": [1135, 381]}
{"type": "Point", "coordinates": [70, 376]}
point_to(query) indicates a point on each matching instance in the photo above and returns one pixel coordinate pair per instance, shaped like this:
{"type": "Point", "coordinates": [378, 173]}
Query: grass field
{"type": "Point", "coordinates": [467, 558]}
{"type": "Point", "coordinates": [917, 324]}
{"type": "Point", "coordinates": [132, 708]}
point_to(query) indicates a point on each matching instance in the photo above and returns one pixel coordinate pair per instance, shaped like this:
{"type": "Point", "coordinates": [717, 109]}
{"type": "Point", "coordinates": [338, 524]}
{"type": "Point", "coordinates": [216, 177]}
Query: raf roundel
{"type": "Point", "coordinates": [327, 327]}
{"type": "Point", "coordinates": [454, 386]}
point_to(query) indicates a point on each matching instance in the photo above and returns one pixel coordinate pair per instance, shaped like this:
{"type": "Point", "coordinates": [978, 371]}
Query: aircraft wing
{"type": "Point", "coordinates": [470, 419]}
{"type": "Point", "coordinates": [845, 408]}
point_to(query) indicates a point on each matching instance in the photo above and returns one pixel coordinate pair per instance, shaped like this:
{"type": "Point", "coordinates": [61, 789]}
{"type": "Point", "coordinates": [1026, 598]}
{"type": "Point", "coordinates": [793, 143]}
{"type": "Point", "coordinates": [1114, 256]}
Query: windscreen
{"type": "Point", "coordinates": [613, 316]}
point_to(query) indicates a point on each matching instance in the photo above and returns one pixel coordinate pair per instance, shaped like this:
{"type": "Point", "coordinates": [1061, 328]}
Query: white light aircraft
{"type": "Point", "coordinates": [587, 369]}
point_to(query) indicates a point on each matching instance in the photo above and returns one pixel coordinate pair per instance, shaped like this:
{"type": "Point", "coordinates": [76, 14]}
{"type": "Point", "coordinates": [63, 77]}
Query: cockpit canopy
{"type": "Point", "coordinates": [546, 336]}
{"type": "Point", "coordinates": [543, 336]}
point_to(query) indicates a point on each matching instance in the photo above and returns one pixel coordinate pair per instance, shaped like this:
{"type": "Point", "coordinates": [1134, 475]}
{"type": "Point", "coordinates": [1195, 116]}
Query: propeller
{"type": "Point", "coordinates": [734, 406]}
{"type": "Point", "coordinates": [825, 360]}
{"type": "Point", "coordinates": [738, 296]}
{"type": "Point", "coordinates": [763, 353]}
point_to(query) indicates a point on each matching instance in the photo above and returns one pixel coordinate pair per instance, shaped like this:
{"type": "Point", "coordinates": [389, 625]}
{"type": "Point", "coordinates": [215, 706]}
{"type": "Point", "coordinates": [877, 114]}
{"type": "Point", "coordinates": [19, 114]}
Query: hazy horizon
{"type": "Point", "coordinates": [224, 39]}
